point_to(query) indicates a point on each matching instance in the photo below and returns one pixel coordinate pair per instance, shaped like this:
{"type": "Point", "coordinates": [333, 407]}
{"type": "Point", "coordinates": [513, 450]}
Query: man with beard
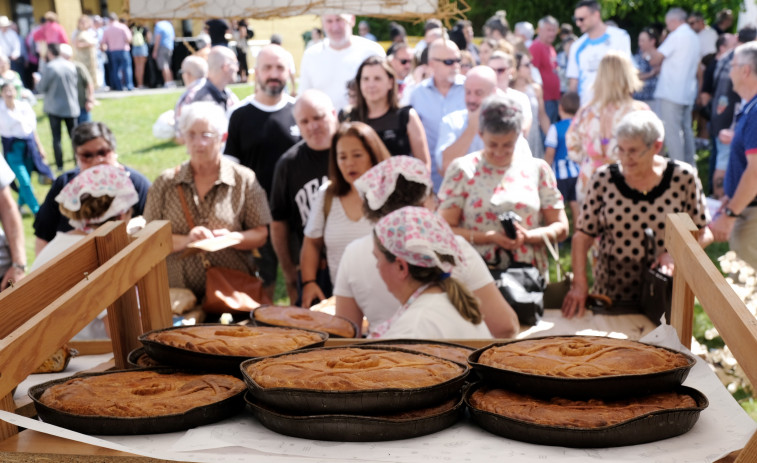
{"type": "Point", "coordinates": [261, 129]}
{"type": "Point", "coordinates": [331, 63]}
{"type": "Point", "coordinates": [299, 174]}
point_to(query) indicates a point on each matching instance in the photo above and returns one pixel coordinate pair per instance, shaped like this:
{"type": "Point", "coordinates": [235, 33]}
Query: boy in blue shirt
{"type": "Point", "coordinates": [556, 152]}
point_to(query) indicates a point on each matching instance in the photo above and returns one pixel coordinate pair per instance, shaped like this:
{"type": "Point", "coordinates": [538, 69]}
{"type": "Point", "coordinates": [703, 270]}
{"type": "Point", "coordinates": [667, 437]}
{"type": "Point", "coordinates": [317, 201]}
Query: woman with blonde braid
{"type": "Point", "coordinates": [415, 251]}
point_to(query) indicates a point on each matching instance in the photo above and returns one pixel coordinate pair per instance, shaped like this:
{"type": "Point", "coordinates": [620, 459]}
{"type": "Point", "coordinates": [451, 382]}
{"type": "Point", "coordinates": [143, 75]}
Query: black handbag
{"type": "Point", "coordinates": [522, 285]}
{"type": "Point", "coordinates": [657, 287]}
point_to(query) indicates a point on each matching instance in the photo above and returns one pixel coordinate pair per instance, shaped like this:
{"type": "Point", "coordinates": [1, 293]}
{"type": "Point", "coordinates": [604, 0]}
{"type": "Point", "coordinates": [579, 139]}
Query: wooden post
{"type": "Point", "coordinates": [749, 453]}
{"type": "Point", "coordinates": [154, 299]}
{"type": "Point", "coordinates": [6, 429]}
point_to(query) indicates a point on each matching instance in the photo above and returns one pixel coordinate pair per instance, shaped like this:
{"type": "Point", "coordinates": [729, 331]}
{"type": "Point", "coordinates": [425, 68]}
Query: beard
{"type": "Point", "coordinates": [272, 87]}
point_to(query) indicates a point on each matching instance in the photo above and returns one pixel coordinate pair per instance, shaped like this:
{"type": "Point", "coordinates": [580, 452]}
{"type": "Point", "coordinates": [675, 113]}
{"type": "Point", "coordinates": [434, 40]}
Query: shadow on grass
{"type": "Point", "coordinates": [165, 145]}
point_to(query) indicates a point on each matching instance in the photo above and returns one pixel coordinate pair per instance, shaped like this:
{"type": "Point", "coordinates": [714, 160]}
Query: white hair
{"type": "Point", "coordinates": [526, 29]}
{"type": "Point", "coordinates": [207, 111]}
{"type": "Point", "coordinates": [644, 125]}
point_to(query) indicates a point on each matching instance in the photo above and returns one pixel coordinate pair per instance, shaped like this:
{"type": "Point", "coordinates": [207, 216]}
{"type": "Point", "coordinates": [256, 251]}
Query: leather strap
{"type": "Point", "coordinates": [184, 206]}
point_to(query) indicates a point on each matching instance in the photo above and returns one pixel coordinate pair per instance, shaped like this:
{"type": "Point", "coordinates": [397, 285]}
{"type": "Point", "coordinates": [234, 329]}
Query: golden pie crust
{"type": "Point", "coordinates": [298, 317]}
{"type": "Point", "coordinates": [454, 353]}
{"type": "Point", "coordinates": [582, 357]}
{"type": "Point", "coordinates": [352, 369]}
{"type": "Point", "coordinates": [140, 393]}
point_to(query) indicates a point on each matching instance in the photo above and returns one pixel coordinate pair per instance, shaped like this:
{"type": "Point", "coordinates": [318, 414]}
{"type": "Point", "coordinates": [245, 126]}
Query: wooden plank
{"type": "Point", "coordinates": [6, 429]}
{"type": "Point", "coordinates": [731, 318]}
{"type": "Point", "coordinates": [682, 311]}
{"type": "Point", "coordinates": [154, 299]}
{"type": "Point", "coordinates": [123, 313]}
{"type": "Point", "coordinates": [32, 294]}
{"type": "Point", "coordinates": [79, 305]}
{"type": "Point", "coordinates": [92, 347]}
{"type": "Point", "coordinates": [749, 453]}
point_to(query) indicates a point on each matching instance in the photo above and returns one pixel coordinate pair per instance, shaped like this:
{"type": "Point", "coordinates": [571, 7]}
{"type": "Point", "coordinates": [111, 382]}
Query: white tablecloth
{"type": "Point", "coordinates": [722, 428]}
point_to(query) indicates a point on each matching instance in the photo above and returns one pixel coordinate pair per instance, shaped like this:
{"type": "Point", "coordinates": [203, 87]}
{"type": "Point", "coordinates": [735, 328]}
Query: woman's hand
{"type": "Point", "coordinates": [199, 233]}
{"type": "Point", "coordinates": [574, 303]}
{"type": "Point", "coordinates": [311, 292]}
{"type": "Point", "coordinates": [504, 242]}
{"type": "Point", "coordinates": [664, 263]}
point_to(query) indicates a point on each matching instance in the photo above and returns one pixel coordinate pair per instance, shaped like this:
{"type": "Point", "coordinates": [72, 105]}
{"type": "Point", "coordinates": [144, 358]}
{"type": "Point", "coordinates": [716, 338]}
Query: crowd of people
{"type": "Point", "coordinates": [398, 165]}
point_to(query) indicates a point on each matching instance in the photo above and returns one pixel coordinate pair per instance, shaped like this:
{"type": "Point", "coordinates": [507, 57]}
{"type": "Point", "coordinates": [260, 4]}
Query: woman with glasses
{"type": "Point", "coordinates": [523, 82]}
{"type": "Point", "coordinates": [623, 199]}
{"type": "Point", "coordinates": [590, 138]}
{"type": "Point", "coordinates": [377, 105]}
{"type": "Point", "coordinates": [207, 197]}
{"type": "Point", "coordinates": [94, 144]}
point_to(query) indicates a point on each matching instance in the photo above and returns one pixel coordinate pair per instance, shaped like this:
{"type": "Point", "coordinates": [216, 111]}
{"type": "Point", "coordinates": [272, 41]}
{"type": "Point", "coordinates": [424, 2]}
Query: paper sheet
{"type": "Point", "coordinates": [722, 428]}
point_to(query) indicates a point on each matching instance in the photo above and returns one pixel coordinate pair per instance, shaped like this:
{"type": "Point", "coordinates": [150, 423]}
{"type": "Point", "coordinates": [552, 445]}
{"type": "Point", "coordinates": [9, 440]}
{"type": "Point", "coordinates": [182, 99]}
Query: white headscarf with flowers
{"type": "Point", "coordinates": [379, 182]}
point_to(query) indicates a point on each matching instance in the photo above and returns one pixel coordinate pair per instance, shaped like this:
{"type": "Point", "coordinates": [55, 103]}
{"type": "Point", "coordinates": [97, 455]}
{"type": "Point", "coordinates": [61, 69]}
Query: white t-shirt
{"type": "Point", "coordinates": [707, 38]}
{"type": "Point", "coordinates": [432, 316]}
{"type": "Point", "coordinates": [329, 70]}
{"type": "Point", "coordinates": [359, 278]}
{"type": "Point", "coordinates": [678, 74]}
{"type": "Point", "coordinates": [339, 230]}
{"type": "Point", "coordinates": [19, 122]}
{"type": "Point", "coordinates": [586, 53]}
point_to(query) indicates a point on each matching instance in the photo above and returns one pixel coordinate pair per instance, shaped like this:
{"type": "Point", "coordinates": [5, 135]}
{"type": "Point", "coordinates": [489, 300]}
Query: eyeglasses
{"type": "Point", "coordinates": [632, 153]}
{"type": "Point", "coordinates": [500, 70]}
{"type": "Point", "coordinates": [578, 19]}
{"type": "Point", "coordinates": [88, 155]}
{"type": "Point", "coordinates": [448, 62]}
{"type": "Point", "coordinates": [203, 136]}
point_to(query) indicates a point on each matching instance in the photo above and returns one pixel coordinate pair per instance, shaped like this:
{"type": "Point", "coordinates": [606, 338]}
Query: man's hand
{"type": "Point", "coordinates": [722, 226]}
{"type": "Point", "coordinates": [13, 275]}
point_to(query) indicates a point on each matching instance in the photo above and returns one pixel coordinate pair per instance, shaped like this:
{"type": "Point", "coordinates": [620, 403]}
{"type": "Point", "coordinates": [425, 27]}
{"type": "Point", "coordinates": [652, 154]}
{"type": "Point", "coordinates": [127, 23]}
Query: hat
{"type": "Point", "coordinates": [98, 181]}
{"type": "Point", "coordinates": [379, 182]}
{"type": "Point", "coordinates": [418, 236]}
{"type": "Point", "coordinates": [4, 21]}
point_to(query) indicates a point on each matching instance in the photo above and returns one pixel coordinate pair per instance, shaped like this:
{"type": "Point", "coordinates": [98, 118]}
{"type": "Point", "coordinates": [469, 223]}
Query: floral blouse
{"type": "Point", "coordinates": [483, 191]}
{"type": "Point", "coordinates": [588, 146]}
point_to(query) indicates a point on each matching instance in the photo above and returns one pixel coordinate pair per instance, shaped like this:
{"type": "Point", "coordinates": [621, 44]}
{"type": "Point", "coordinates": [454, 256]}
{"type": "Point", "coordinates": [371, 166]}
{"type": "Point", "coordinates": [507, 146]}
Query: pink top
{"type": "Point", "coordinates": [51, 32]}
{"type": "Point", "coordinates": [117, 37]}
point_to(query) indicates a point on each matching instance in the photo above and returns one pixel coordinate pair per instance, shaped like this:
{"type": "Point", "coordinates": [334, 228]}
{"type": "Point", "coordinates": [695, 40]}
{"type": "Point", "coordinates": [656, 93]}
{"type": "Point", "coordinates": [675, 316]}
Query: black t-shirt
{"type": "Point", "coordinates": [258, 138]}
{"type": "Point", "coordinates": [392, 129]}
{"type": "Point", "coordinates": [49, 220]}
{"type": "Point", "coordinates": [299, 174]}
{"type": "Point", "coordinates": [217, 31]}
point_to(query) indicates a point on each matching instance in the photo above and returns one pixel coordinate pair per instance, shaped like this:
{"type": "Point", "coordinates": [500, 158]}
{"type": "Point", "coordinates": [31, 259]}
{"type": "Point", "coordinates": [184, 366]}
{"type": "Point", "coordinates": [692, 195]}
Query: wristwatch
{"type": "Point", "coordinates": [728, 212]}
{"type": "Point", "coordinates": [21, 267]}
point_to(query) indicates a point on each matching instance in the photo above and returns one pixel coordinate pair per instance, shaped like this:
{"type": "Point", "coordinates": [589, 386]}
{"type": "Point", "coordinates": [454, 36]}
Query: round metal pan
{"type": "Point", "coordinates": [427, 342]}
{"type": "Point", "coordinates": [389, 400]}
{"type": "Point", "coordinates": [185, 358]}
{"type": "Point", "coordinates": [604, 387]}
{"type": "Point", "coordinates": [356, 428]}
{"type": "Point", "coordinates": [114, 425]}
{"type": "Point", "coordinates": [649, 427]}
{"type": "Point", "coordinates": [138, 358]}
{"type": "Point", "coordinates": [303, 326]}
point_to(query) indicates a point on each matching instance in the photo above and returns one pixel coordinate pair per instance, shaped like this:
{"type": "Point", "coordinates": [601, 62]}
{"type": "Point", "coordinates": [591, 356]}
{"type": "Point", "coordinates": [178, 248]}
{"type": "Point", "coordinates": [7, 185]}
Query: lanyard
{"type": "Point", "coordinates": [382, 328]}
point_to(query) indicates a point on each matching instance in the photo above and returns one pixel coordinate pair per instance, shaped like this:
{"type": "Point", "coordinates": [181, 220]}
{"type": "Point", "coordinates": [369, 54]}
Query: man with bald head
{"type": "Point", "coordinates": [458, 132]}
{"type": "Point", "coordinates": [261, 129]}
{"type": "Point", "coordinates": [331, 63]}
{"type": "Point", "coordinates": [299, 174]}
{"type": "Point", "coordinates": [439, 95]}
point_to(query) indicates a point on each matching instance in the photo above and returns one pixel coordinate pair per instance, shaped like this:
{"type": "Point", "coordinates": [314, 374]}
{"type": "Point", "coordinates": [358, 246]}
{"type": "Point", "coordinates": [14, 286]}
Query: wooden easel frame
{"type": "Point", "coordinates": [697, 276]}
{"type": "Point", "coordinates": [47, 308]}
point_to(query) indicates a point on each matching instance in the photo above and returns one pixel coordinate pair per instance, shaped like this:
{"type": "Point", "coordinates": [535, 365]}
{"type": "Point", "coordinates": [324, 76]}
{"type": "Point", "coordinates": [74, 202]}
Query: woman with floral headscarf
{"type": "Point", "coordinates": [415, 252]}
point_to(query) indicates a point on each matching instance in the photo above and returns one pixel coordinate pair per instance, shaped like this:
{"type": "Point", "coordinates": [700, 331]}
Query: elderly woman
{"type": "Point", "coordinates": [590, 138]}
{"type": "Point", "coordinates": [415, 252]}
{"type": "Point", "coordinates": [208, 196]}
{"type": "Point", "coordinates": [501, 178]}
{"type": "Point", "coordinates": [395, 183]}
{"type": "Point", "coordinates": [623, 200]}
{"type": "Point", "coordinates": [93, 144]}
{"type": "Point", "coordinates": [378, 106]}
{"type": "Point", "coordinates": [336, 218]}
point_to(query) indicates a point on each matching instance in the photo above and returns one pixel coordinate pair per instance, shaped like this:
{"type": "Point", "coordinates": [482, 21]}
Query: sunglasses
{"type": "Point", "coordinates": [578, 19]}
{"type": "Point", "coordinates": [500, 70]}
{"type": "Point", "coordinates": [101, 153]}
{"type": "Point", "coordinates": [404, 61]}
{"type": "Point", "coordinates": [448, 62]}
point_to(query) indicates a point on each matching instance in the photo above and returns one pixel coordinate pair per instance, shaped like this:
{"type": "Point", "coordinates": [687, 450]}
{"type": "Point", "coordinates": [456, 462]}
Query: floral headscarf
{"type": "Point", "coordinates": [379, 182]}
{"type": "Point", "coordinates": [102, 180]}
{"type": "Point", "coordinates": [418, 236]}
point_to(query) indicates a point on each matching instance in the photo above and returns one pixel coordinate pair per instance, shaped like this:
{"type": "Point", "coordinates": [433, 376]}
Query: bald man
{"type": "Point", "coordinates": [261, 130]}
{"type": "Point", "coordinates": [299, 174]}
{"type": "Point", "coordinates": [438, 96]}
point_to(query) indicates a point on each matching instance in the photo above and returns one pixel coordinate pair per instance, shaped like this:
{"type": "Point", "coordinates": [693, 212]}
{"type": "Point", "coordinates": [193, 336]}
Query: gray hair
{"type": "Point", "coordinates": [548, 20]}
{"type": "Point", "coordinates": [677, 13]}
{"type": "Point", "coordinates": [220, 55]}
{"type": "Point", "coordinates": [644, 125]}
{"type": "Point", "coordinates": [207, 111]}
{"type": "Point", "coordinates": [525, 28]}
{"type": "Point", "coordinates": [203, 40]}
{"type": "Point", "coordinates": [500, 114]}
{"type": "Point", "coordinates": [748, 54]}
{"type": "Point", "coordinates": [195, 66]}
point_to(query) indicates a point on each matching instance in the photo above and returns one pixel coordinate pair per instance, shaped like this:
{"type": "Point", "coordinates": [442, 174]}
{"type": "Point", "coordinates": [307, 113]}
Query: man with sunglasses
{"type": "Point", "coordinates": [401, 60]}
{"type": "Point", "coordinates": [93, 144]}
{"type": "Point", "coordinates": [439, 95]}
{"type": "Point", "coordinates": [585, 54]}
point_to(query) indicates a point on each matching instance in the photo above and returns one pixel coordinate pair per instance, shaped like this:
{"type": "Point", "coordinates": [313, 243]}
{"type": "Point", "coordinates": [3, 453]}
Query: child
{"type": "Point", "coordinates": [556, 153]}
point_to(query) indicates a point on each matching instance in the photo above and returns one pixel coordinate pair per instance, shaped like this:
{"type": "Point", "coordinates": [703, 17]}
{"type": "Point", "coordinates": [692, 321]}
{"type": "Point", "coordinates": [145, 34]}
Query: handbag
{"type": "Point", "coordinates": [656, 287]}
{"type": "Point", "coordinates": [227, 290]}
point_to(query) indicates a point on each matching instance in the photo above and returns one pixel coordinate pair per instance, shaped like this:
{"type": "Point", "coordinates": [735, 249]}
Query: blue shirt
{"type": "Point", "coordinates": [432, 106]}
{"type": "Point", "coordinates": [744, 143]}
{"type": "Point", "coordinates": [167, 35]}
{"type": "Point", "coordinates": [452, 126]}
{"type": "Point", "coordinates": [564, 168]}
